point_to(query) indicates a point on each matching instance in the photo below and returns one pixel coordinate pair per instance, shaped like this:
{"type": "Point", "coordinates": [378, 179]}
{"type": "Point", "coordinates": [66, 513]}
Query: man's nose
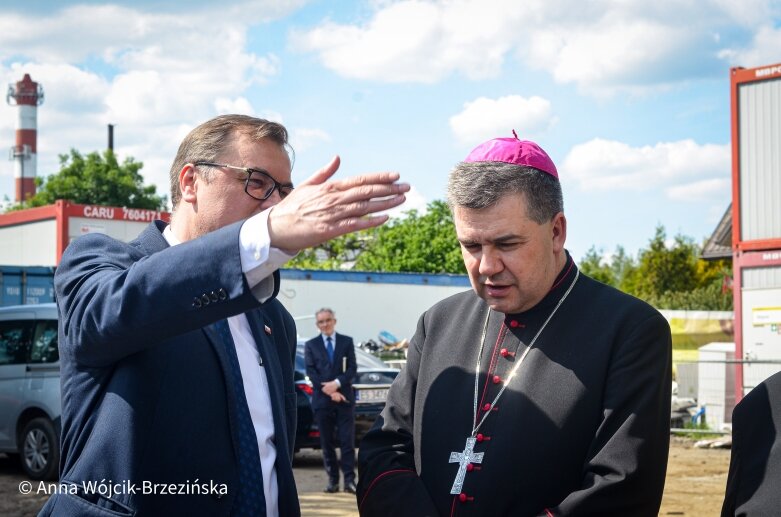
{"type": "Point", "coordinates": [272, 200]}
{"type": "Point", "coordinates": [490, 262]}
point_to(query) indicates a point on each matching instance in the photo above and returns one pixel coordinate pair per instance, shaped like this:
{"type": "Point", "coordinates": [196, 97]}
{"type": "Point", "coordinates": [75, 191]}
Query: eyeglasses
{"type": "Point", "coordinates": [323, 322]}
{"type": "Point", "coordinates": [259, 183]}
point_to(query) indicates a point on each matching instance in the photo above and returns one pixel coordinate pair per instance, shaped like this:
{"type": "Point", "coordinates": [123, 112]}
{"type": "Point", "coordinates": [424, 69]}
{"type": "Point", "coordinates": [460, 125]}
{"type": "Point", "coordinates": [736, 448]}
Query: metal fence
{"type": "Point", "coordinates": [711, 385]}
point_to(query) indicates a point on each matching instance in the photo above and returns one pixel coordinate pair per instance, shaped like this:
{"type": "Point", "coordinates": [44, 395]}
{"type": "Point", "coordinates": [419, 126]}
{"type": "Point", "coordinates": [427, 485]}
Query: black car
{"type": "Point", "coordinates": [371, 389]}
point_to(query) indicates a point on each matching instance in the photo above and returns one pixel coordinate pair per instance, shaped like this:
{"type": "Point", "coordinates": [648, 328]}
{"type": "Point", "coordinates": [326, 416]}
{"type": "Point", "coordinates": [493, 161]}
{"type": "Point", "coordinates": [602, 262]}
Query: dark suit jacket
{"type": "Point", "coordinates": [320, 369]}
{"type": "Point", "coordinates": [755, 466]}
{"type": "Point", "coordinates": [144, 393]}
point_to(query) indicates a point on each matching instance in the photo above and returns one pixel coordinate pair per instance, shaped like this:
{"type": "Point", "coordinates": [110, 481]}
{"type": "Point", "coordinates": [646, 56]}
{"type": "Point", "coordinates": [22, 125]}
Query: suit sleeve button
{"type": "Point", "coordinates": [197, 303]}
{"type": "Point", "coordinates": [205, 299]}
{"type": "Point", "coordinates": [222, 294]}
{"type": "Point", "coordinates": [214, 296]}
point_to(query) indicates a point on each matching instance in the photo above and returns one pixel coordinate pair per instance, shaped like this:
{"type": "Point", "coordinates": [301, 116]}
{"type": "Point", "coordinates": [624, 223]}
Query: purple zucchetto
{"type": "Point", "coordinates": [514, 151]}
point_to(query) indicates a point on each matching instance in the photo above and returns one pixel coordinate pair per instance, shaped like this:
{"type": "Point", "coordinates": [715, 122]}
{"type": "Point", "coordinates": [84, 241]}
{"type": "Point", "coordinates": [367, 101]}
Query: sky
{"type": "Point", "coordinates": [630, 98]}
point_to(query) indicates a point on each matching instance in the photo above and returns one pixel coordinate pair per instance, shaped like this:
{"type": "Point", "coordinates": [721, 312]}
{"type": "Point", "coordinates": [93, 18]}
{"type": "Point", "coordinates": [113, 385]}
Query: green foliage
{"type": "Point", "coordinates": [594, 266]}
{"type": "Point", "coordinates": [414, 244]}
{"type": "Point", "coordinates": [417, 244]}
{"type": "Point", "coordinates": [97, 179]}
{"type": "Point", "coordinates": [667, 277]}
{"type": "Point", "coordinates": [664, 269]}
{"type": "Point", "coordinates": [333, 254]}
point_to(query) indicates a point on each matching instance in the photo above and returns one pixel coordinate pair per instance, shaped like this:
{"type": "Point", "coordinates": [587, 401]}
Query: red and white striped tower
{"type": "Point", "coordinates": [27, 95]}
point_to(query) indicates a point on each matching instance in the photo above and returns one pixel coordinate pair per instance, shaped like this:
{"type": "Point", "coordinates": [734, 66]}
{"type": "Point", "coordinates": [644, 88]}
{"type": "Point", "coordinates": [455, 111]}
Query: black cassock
{"type": "Point", "coordinates": [755, 462]}
{"type": "Point", "coordinates": [581, 429]}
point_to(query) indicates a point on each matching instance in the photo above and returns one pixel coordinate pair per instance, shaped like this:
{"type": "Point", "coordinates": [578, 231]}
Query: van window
{"type": "Point", "coordinates": [14, 341]}
{"type": "Point", "coordinates": [44, 347]}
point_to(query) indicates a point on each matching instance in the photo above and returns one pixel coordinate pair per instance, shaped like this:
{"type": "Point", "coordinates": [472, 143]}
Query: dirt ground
{"type": "Point", "coordinates": [695, 485]}
{"type": "Point", "coordinates": [696, 479]}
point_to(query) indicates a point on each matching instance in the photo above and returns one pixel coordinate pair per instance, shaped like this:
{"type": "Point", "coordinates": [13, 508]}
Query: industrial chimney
{"type": "Point", "coordinates": [27, 95]}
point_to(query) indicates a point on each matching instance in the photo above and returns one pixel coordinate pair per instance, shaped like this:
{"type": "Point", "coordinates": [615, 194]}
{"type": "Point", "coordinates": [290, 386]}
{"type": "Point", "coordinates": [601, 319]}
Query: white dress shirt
{"type": "Point", "coordinates": [258, 261]}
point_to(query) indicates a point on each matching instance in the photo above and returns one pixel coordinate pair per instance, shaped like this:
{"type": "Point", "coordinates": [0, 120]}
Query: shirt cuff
{"type": "Point", "coordinates": [258, 258]}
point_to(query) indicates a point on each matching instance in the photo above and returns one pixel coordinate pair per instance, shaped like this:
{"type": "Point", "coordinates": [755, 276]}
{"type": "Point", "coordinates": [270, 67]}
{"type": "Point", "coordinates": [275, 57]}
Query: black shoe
{"type": "Point", "coordinates": [332, 488]}
{"type": "Point", "coordinates": [350, 488]}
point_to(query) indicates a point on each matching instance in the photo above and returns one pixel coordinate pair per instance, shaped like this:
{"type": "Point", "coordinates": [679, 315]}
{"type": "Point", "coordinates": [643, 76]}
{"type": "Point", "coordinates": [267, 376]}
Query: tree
{"type": "Point", "coordinates": [334, 254]}
{"type": "Point", "coordinates": [97, 179]}
{"type": "Point", "coordinates": [668, 277]}
{"type": "Point", "coordinates": [417, 244]}
{"type": "Point", "coordinates": [593, 265]}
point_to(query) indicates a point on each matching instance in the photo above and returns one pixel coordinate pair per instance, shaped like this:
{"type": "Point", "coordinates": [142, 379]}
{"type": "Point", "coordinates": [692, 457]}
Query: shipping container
{"type": "Point", "coordinates": [23, 285]}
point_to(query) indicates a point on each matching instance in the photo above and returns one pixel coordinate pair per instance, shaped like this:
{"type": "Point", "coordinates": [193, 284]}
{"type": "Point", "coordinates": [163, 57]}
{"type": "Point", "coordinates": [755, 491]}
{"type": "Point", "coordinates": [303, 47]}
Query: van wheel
{"type": "Point", "coordinates": [39, 449]}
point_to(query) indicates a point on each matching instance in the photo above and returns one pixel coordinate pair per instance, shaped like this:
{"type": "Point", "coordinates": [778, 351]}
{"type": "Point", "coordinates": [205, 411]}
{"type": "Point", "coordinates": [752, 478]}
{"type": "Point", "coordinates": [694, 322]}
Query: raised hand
{"type": "Point", "coordinates": [319, 210]}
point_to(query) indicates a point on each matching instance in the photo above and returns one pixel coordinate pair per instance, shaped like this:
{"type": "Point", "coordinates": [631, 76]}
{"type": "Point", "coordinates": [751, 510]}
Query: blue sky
{"type": "Point", "coordinates": [630, 98]}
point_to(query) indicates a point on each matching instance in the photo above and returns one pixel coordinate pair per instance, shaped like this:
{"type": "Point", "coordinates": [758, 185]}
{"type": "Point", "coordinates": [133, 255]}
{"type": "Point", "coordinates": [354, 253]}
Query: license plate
{"type": "Point", "coordinates": [372, 395]}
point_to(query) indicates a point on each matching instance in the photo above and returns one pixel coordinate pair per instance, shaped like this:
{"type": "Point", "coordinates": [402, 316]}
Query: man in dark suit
{"type": "Point", "coordinates": [755, 466]}
{"type": "Point", "coordinates": [176, 358]}
{"type": "Point", "coordinates": [330, 365]}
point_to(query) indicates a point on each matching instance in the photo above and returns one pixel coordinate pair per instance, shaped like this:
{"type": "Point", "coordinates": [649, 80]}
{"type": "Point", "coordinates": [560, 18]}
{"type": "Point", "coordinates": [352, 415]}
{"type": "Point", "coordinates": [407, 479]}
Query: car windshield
{"type": "Point", "coordinates": [365, 360]}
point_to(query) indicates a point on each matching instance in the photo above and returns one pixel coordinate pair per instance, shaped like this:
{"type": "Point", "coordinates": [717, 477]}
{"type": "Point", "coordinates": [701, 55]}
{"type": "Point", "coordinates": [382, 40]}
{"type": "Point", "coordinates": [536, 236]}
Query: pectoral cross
{"type": "Point", "coordinates": [463, 459]}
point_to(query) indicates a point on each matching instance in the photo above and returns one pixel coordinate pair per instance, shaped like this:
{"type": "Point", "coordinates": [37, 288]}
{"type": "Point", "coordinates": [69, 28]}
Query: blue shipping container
{"type": "Point", "coordinates": [20, 285]}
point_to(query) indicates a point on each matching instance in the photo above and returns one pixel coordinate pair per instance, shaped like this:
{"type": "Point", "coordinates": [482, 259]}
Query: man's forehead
{"type": "Point", "coordinates": [263, 154]}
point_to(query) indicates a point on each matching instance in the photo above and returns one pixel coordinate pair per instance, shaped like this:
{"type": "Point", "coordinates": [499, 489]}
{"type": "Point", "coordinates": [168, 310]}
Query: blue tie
{"type": "Point", "coordinates": [250, 499]}
{"type": "Point", "coordinates": [329, 347]}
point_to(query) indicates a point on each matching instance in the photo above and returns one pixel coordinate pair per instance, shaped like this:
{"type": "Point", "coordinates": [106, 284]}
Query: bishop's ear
{"type": "Point", "coordinates": [559, 231]}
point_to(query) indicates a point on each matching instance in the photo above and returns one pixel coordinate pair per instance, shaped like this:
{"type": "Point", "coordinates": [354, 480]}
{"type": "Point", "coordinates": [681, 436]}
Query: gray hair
{"type": "Point", "coordinates": [325, 309]}
{"type": "Point", "coordinates": [478, 185]}
{"type": "Point", "coordinates": [214, 137]}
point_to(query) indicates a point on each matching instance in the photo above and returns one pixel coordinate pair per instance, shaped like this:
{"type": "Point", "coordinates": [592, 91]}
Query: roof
{"type": "Point", "coordinates": [719, 245]}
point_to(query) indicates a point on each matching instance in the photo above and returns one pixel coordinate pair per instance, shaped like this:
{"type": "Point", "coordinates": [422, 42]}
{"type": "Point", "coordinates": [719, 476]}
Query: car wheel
{"type": "Point", "coordinates": [39, 449]}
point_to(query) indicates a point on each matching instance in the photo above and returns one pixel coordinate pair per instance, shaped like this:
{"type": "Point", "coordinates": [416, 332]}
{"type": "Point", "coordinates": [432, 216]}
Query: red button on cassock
{"type": "Point", "coordinates": [513, 323]}
{"type": "Point", "coordinates": [479, 437]}
{"type": "Point", "coordinates": [486, 407]}
{"type": "Point", "coordinates": [462, 497]}
{"type": "Point", "coordinates": [497, 379]}
{"type": "Point", "coordinates": [470, 467]}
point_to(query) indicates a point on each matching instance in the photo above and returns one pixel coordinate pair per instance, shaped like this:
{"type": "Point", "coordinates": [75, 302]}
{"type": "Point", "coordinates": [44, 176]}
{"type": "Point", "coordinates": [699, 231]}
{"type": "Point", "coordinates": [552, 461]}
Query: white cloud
{"type": "Point", "coordinates": [413, 41]}
{"type": "Point", "coordinates": [602, 47]}
{"type": "Point", "coordinates": [483, 118]}
{"type": "Point", "coordinates": [306, 138]}
{"type": "Point", "coordinates": [415, 201]}
{"type": "Point", "coordinates": [154, 74]}
{"type": "Point", "coordinates": [765, 49]}
{"type": "Point", "coordinates": [704, 190]}
{"type": "Point", "coordinates": [680, 167]}
{"type": "Point", "coordinates": [241, 105]}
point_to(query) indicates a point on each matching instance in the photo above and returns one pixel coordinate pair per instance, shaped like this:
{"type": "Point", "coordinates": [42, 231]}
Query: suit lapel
{"type": "Point", "coordinates": [224, 360]}
{"type": "Point", "coordinates": [268, 353]}
{"type": "Point", "coordinates": [288, 502]}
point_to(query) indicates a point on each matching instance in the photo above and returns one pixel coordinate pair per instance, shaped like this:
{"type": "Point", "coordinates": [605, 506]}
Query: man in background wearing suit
{"type": "Point", "coordinates": [176, 358]}
{"type": "Point", "coordinates": [330, 365]}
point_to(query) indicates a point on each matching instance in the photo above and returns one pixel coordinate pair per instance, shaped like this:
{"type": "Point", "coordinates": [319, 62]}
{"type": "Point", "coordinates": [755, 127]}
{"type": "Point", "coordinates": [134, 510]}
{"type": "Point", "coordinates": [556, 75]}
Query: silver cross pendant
{"type": "Point", "coordinates": [463, 459]}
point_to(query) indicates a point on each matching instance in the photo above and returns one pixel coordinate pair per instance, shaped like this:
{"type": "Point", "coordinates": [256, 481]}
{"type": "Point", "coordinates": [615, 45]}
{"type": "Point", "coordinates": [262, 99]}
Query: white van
{"type": "Point", "coordinates": [30, 403]}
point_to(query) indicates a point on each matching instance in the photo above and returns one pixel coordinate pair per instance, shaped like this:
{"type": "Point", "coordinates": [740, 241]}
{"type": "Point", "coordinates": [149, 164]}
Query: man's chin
{"type": "Point", "coordinates": [500, 304]}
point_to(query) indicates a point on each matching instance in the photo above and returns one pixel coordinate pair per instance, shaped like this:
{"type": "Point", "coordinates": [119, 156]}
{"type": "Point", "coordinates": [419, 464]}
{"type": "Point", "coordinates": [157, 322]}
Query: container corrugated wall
{"type": "Point", "coordinates": [760, 160]}
{"type": "Point", "coordinates": [26, 285]}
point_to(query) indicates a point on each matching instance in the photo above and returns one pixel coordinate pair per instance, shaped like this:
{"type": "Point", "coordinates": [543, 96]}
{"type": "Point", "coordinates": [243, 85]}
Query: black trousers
{"type": "Point", "coordinates": [337, 424]}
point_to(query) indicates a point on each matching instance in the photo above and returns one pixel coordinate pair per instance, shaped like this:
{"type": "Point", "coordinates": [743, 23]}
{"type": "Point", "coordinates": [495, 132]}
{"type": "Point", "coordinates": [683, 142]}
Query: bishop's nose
{"type": "Point", "coordinates": [490, 263]}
